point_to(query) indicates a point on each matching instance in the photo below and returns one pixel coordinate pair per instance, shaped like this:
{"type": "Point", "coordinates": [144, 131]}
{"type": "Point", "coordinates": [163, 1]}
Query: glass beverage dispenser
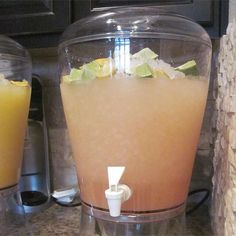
{"type": "Point", "coordinates": [15, 91]}
{"type": "Point", "coordinates": [134, 85]}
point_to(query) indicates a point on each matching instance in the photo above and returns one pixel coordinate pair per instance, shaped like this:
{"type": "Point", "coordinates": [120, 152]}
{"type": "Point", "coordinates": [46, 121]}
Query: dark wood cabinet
{"type": "Point", "coordinates": [33, 16]}
{"type": "Point", "coordinates": [211, 14]}
{"type": "Point", "coordinates": [34, 22]}
{"type": "Point", "coordinates": [39, 23]}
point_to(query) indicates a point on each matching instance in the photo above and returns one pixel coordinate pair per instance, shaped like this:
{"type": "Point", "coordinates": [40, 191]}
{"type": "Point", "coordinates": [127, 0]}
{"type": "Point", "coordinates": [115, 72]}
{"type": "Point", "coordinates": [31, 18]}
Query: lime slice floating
{"type": "Point", "coordinates": [75, 74]}
{"type": "Point", "coordinates": [188, 68]}
{"type": "Point", "coordinates": [92, 67]}
{"type": "Point", "coordinates": [22, 83]}
{"type": "Point", "coordinates": [157, 73]}
{"type": "Point", "coordinates": [88, 74]}
{"type": "Point", "coordinates": [99, 68]}
{"type": "Point", "coordinates": [107, 68]}
{"type": "Point", "coordinates": [140, 63]}
{"type": "Point", "coordinates": [145, 54]}
{"type": "Point", "coordinates": [143, 71]}
{"type": "Point", "coordinates": [102, 61]}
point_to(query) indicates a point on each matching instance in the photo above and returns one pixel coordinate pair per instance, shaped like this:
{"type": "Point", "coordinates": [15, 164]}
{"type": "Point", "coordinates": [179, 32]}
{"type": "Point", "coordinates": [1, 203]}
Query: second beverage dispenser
{"type": "Point", "coordinates": [134, 85]}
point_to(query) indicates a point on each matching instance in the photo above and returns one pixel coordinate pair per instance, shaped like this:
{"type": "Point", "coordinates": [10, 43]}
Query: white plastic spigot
{"type": "Point", "coordinates": [114, 200]}
{"type": "Point", "coordinates": [117, 193]}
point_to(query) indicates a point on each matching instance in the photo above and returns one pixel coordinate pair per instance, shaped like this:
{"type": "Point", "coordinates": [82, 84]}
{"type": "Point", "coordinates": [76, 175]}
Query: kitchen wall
{"type": "Point", "coordinates": [232, 10]}
{"type": "Point", "coordinates": [45, 65]}
{"type": "Point", "coordinates": [224, 162]}
{"type": "Point", "coordinates": [62, 165]}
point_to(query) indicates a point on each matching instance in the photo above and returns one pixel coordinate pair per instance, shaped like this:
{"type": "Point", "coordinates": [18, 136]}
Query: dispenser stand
{"type": "Point", "coordinates": [91, 226]}
{"type": "Point", "coordinates": [13, 220]}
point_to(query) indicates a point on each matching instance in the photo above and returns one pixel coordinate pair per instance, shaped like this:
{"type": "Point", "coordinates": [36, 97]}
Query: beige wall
{"type": "Point", "coordinates": [224, 179]}
{"type": "Point", "coordinates": [232, 10]}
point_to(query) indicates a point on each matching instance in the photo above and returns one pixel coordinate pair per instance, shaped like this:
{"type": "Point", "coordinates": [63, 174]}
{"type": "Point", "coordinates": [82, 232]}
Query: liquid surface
{"type": "Point", "coordinates": [14, 106]}
{"type": "Point", "coordinates": [150, 126]}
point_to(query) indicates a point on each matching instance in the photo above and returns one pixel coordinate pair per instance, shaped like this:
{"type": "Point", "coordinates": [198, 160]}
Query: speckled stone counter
{"type": "Point", "coordinates": [58, 220]}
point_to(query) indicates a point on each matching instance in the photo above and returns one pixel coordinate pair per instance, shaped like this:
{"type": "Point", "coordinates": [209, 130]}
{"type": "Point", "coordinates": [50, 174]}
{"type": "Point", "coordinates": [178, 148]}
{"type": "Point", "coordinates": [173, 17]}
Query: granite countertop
{"type": "Point", "coordinates": [58, 220]}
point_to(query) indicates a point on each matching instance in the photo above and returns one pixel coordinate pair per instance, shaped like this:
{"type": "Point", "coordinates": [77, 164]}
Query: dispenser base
{"type": "Point", "coordinates": [91, 226]}
{"type": "Point", "coordinates": [134, 217]}
{"type": "Point", "coordinates": [13, 220]}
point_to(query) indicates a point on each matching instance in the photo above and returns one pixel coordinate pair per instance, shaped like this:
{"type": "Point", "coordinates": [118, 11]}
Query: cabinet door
{"type": "Point", "coordinates": [33, 17]}
{"type": "Point", "coordinates": [211, 14]}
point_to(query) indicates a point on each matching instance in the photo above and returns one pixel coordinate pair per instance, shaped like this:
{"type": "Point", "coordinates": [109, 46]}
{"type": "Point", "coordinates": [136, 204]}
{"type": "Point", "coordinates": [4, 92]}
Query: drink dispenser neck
{"type": "Point", "coordinates": [117, 193]}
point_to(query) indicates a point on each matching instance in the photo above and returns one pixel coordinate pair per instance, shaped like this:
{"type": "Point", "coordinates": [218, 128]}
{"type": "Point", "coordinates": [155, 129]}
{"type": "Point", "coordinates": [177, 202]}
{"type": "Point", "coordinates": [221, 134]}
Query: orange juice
{"type": "Point", "coordinates": [14, 106]}
{"type": "Point", "coordinates": [150, 126]}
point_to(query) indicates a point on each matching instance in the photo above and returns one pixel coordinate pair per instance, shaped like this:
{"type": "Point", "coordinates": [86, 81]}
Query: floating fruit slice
{"type": "Point", "coordinates": [101, 67]}
{"type": "Point", "coordinates": [75, 74]}
{"type": "Point", "coordinates": [22, 83]}
{"type": "Point", "coordinates": [157, 73]}
{"type": "Point", "coordinates": [91, 66]}
{"type": "Point", "coordinates": [102, 61]}
{"type": "Point", "coordinates": [88, 74]}
{"type": "Point", "coordinates": [188, 68]}
{"type": "Point", "coordinates": [145, 54]}
{"type": "Point", "coordinates": [143, 71]}
{"type": "Point", "coordinates": [107, 67]}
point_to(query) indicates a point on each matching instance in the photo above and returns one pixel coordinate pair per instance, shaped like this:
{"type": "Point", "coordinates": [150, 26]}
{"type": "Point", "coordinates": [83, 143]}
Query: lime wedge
{"type": "Point", "coordinates": [92, 66]}
{"type": "Point", "coordinates": [88, 74]}
{"type": "Point", "coordinates": [143, 71]}
{"type": "Point", "coordinates": [101, 67]}
{"type": "Point", "coordinates": [22, 83]}
{"type": "Point", "coordinates": [75, 74]}
{"type": "Point", "coordinates": [107, 68]}
{"type": "Point", "coordinates": [188, 68]}
{"type": "Point", "coordinates": [145, 54]}
{"type": "Point", "coordinates": [102, 61]}
{"type": "Point", "coordinates": [157, 73]}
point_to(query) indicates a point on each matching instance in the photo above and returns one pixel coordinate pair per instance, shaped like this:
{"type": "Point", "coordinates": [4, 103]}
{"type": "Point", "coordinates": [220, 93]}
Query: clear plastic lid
{"type": "Point", "coordinates": [145, 22]}
{"type": "Point", "coordinates": [15, 61]}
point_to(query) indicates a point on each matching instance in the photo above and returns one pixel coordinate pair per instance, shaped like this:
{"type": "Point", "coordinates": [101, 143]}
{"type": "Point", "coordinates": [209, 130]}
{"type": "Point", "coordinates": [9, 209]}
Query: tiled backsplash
{"type": "Point", "coordinates": [62, 164]}
{"type": "Point", "coordinates": [63, 169]}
